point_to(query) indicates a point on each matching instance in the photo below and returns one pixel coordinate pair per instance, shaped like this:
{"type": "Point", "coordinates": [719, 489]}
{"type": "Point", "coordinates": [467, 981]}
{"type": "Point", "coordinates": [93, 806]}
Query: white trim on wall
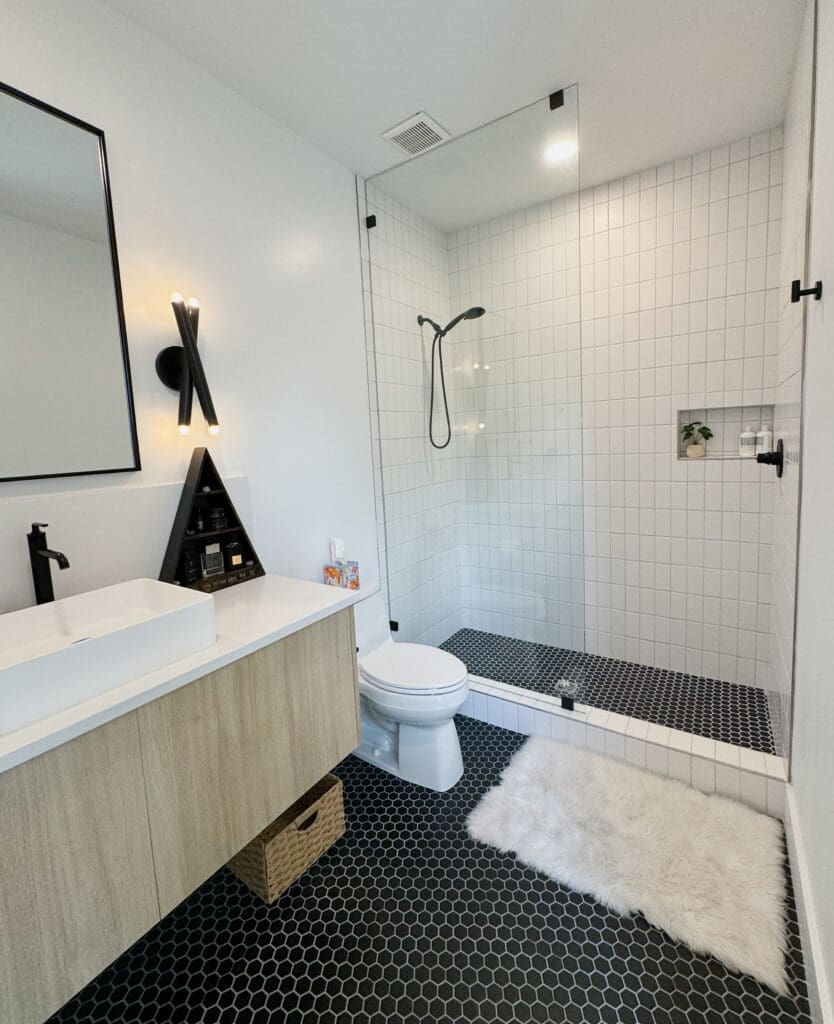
{"type": "Point", "coordinates": [816, 971]}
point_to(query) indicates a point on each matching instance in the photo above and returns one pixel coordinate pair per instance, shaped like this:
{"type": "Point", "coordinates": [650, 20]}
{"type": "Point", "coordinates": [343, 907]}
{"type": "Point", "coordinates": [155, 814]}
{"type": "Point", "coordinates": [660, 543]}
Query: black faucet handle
{"type": "Point", "coordinates": [37, 527]}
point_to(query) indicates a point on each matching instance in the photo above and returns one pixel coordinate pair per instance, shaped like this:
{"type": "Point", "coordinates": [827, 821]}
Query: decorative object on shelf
{"type": "Point", "coordinates": [208, 548]}
{"type": "Point", "coordinates": [181, 369]}
{"type": "Point", "coordinates": [695, 436]}
{"type": "Point", "coordinates": [775, 458]}
{"type": "Point", "coordinates": [797, 291]}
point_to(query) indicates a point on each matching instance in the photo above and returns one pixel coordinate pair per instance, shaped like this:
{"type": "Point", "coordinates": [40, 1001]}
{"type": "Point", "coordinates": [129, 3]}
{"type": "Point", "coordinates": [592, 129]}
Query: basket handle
{"type": "Point", "coordinates": [308, 822]}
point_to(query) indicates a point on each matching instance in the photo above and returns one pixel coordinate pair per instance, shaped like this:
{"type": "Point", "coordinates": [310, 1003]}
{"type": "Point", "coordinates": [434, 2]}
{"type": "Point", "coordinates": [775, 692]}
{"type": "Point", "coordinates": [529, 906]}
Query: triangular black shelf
{"type": "Point", "coordinates": [206, 518]}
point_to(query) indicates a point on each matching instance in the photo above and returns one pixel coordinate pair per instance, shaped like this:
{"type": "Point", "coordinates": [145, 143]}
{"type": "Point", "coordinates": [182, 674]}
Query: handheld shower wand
{"type": "Point", "coordinates": [437, 350]}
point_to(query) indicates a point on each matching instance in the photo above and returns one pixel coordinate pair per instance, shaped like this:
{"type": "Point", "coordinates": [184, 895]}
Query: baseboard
{"type": "Point", "coordinates": [819, 991]}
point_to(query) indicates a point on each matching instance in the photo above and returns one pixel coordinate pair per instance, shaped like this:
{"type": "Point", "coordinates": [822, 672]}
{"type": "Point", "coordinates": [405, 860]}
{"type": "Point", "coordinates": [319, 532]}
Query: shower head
{"type": "Point", "coordinates": [470, 314]}
{"type": "Point", "coordinates": [437, 354]}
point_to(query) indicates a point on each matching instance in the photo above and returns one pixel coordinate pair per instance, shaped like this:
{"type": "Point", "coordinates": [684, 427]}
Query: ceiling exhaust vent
{"type": "Point", "coordinates": [417, 134]}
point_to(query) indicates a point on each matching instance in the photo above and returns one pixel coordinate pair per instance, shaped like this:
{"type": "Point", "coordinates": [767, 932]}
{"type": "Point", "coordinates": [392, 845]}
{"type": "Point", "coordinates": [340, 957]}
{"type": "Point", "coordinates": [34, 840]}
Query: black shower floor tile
{"type": "Point", "coordinates": [706, 707]}
{"type": "Point", "coordinates": [406, 921]}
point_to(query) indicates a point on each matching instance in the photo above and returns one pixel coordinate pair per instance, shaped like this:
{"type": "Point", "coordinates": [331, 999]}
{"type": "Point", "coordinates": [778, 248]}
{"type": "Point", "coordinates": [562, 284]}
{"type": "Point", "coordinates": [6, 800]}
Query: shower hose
{"type": "Point", "coordinates": [437, 350]}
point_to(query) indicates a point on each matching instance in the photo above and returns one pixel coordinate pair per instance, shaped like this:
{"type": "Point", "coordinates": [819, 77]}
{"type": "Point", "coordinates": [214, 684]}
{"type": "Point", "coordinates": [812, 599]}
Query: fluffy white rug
{"type": "Point", "coordinates": [705, 869]}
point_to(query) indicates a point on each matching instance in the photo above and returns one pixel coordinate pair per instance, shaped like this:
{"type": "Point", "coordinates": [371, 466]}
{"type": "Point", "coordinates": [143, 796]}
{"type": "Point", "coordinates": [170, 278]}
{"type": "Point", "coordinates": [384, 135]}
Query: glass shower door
{"type": "Point", "coordinates": [484, 537]}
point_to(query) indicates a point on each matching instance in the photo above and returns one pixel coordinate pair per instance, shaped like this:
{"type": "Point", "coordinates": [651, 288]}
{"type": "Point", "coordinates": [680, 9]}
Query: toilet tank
{"type": "Point", "coordinates": [372, 629]}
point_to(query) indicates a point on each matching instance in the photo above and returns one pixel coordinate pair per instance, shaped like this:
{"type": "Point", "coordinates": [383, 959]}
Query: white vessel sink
{"type": "Point", "coordinates": [60, 654]}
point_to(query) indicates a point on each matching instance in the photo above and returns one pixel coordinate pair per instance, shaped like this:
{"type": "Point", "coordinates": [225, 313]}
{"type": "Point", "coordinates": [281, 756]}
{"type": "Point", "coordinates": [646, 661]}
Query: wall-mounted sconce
{"type": "Point", "coordinates": [181, 369]}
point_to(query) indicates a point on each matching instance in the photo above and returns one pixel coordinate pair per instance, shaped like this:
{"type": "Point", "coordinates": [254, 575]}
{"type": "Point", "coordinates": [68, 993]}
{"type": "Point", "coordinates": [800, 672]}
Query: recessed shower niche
{"type": "Point", "coordinates": [726, 424]}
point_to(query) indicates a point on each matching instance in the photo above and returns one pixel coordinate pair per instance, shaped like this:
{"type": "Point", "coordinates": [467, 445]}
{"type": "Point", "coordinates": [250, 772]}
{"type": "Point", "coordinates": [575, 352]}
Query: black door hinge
{"type": "Point", "coordinates": [557, 99]}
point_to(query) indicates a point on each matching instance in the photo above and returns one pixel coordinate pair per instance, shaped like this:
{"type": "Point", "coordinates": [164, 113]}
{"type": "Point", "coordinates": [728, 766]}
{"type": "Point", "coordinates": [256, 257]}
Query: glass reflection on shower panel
{"type": "Point", "coordinates": [483, 536]}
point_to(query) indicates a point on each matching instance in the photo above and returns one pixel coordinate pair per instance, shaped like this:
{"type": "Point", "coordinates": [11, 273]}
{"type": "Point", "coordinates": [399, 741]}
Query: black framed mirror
{"type": "Point", "coordinates": [66, 397]}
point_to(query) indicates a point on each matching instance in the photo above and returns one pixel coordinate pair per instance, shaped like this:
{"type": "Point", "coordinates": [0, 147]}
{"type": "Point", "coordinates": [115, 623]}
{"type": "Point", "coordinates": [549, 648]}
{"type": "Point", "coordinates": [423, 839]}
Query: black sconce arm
{"type": "Point", "coordinates": [181, 369]}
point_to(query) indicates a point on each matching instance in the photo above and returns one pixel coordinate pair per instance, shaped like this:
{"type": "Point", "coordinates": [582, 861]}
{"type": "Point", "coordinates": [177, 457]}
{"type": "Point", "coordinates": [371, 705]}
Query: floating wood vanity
{"type": "Point", "coordinates": [105, 833]}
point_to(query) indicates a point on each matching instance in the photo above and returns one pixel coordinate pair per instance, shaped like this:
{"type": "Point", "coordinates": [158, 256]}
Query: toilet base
{"type": "Point", "coordinates": [427, 755]}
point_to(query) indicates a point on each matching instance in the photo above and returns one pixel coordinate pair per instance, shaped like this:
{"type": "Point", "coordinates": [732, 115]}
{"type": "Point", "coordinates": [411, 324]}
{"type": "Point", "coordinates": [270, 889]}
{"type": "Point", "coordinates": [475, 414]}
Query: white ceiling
{"type": "Point", "coordinates": [657, 78]}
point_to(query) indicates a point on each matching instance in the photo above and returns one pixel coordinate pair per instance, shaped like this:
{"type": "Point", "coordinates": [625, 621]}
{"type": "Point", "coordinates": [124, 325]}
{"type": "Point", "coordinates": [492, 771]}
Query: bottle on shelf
{"type": "Point", "coordinates": [764, 440]}
{"type": "Point", "coordinates": [747, 443]}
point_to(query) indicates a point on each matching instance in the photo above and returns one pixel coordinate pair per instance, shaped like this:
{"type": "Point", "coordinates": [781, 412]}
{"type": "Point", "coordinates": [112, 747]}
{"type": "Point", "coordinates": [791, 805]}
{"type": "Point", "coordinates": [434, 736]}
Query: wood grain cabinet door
{"type": "Point", "coordinates": [76, 872]}
{"type": "Point", "coordinates": [228, 753]}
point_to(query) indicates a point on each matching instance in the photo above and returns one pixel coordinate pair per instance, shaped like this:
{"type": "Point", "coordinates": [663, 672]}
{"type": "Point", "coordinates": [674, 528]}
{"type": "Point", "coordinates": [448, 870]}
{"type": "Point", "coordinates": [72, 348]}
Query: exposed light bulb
{"type": "Point", "coordinates": [475, 366]}
{"type": "Point", "coordinates": [486, 366]}
{"type": "Point", "coordinates": [481, 426]}
{"type": "Point", "coordinates": [176, 297]}
{"type": "Point", "coordinates": [184, 429]}
{"type": "Point", "coordinates": [560, 151]}
{"type": "Point", "coordinates": [214, 428]}
{"type": "Point", "coordinates": [193, 303]}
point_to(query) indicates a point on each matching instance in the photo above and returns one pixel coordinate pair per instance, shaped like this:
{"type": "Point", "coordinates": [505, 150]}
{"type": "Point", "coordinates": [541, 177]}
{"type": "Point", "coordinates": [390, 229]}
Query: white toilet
{"type": "Point", "coordinates": [409, 694]}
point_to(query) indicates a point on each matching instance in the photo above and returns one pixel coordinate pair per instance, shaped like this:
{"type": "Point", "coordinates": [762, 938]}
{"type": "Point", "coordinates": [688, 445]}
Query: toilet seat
{"type": "Point", "coordinates": [413, 668]}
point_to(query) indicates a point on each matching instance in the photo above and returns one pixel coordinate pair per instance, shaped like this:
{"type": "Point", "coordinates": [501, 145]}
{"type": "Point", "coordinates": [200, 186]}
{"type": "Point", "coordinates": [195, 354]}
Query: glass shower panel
{"type": "Point", "coordinates": [483, 537]}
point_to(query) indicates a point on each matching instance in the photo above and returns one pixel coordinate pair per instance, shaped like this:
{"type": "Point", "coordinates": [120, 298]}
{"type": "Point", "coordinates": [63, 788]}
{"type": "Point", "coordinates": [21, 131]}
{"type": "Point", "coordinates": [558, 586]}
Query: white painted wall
{"type": "Point", "coordinates": [215, 199]}
{"type": "Point", "coordinates": [813, 721]}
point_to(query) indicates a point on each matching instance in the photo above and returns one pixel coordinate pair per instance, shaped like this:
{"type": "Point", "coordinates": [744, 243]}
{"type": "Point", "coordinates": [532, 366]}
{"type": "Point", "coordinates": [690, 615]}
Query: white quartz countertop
{"type": "Point", "coordinates": [248, 617]}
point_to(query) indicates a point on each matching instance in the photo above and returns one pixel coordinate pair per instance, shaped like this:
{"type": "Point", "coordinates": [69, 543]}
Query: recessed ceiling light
{"type": "Point", "coordinates": [560, 151]}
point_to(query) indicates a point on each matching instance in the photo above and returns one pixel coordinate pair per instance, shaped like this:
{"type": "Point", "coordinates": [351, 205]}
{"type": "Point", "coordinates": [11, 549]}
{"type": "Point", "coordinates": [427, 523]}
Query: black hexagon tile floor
{"type": "Point", "coordinates": [407, 921]}
{"type": "Point", "coordinates": [713, 708]}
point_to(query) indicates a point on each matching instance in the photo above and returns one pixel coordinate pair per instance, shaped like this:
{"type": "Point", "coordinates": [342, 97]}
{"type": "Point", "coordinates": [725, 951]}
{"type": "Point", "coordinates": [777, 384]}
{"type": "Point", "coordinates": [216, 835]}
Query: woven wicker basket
{"type": "Point", "coordinates": [286, 848]}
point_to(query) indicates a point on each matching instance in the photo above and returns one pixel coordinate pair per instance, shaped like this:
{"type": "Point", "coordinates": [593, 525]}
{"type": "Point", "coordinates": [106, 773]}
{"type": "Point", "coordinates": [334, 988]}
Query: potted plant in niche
{"type": "Point", "coordinates": [695, 436]}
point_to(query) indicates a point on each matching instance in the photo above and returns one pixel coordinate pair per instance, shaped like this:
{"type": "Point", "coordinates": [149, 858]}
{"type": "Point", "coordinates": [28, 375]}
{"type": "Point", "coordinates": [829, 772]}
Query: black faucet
{"type": "Point", "coordinates": [39, 556]}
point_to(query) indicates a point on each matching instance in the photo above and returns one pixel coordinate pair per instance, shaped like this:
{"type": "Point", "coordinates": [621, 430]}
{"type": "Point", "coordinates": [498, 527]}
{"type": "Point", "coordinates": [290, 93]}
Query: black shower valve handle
{"type": "Point", "coordinates": [797, 291]}
{"type": "Point", "coordinates": [775, 458]}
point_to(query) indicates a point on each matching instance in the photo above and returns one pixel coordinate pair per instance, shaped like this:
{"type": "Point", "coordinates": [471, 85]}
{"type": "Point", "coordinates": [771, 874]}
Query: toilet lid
{"type": "Point", "coordinates": [413, 668]}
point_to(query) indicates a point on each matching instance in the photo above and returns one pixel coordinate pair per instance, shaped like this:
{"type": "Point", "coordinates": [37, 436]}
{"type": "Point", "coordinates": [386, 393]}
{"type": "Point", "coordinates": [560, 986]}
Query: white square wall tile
{"type": "Point", "coordinates": [753, 791]}
{"type": "Point", "coordinates": [480, 707]}
{"type": "Point", "coordinates": [680, 766]}
{"type": "Point", "coordinates": [776, 798]}
{"type": "Point", "coordinates": [728, 781]}
{"type": "Point", "coordinates": [558, 727]}
{"type": "Point", "coordinates": [526, 721]}
{"type": "Point", "coordinates": [509, 715]}
{"type": "Point", "coordinates": [635, 751]}
{"type": "Point", "coordinates": [495, 711]}
{"type": "Point", "coordinates": [657, 758]}
{"type": "Point", "coordinates": [703, 774]}
{"type": "Point", "coordinates": [541, 722]}
{"type": "Point", "coordinates": [596, 739]}
{"type": "Point", "coordinates": [615, 745]}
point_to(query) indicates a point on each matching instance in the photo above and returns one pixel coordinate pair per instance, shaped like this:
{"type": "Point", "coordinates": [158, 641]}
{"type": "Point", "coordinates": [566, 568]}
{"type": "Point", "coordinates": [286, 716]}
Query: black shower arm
{"type": "Point", "coordinates": [426, 320]}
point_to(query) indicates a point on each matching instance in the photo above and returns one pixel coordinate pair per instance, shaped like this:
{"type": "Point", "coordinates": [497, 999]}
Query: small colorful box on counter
{"type": "Point", "coordinates": [342, 574]}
